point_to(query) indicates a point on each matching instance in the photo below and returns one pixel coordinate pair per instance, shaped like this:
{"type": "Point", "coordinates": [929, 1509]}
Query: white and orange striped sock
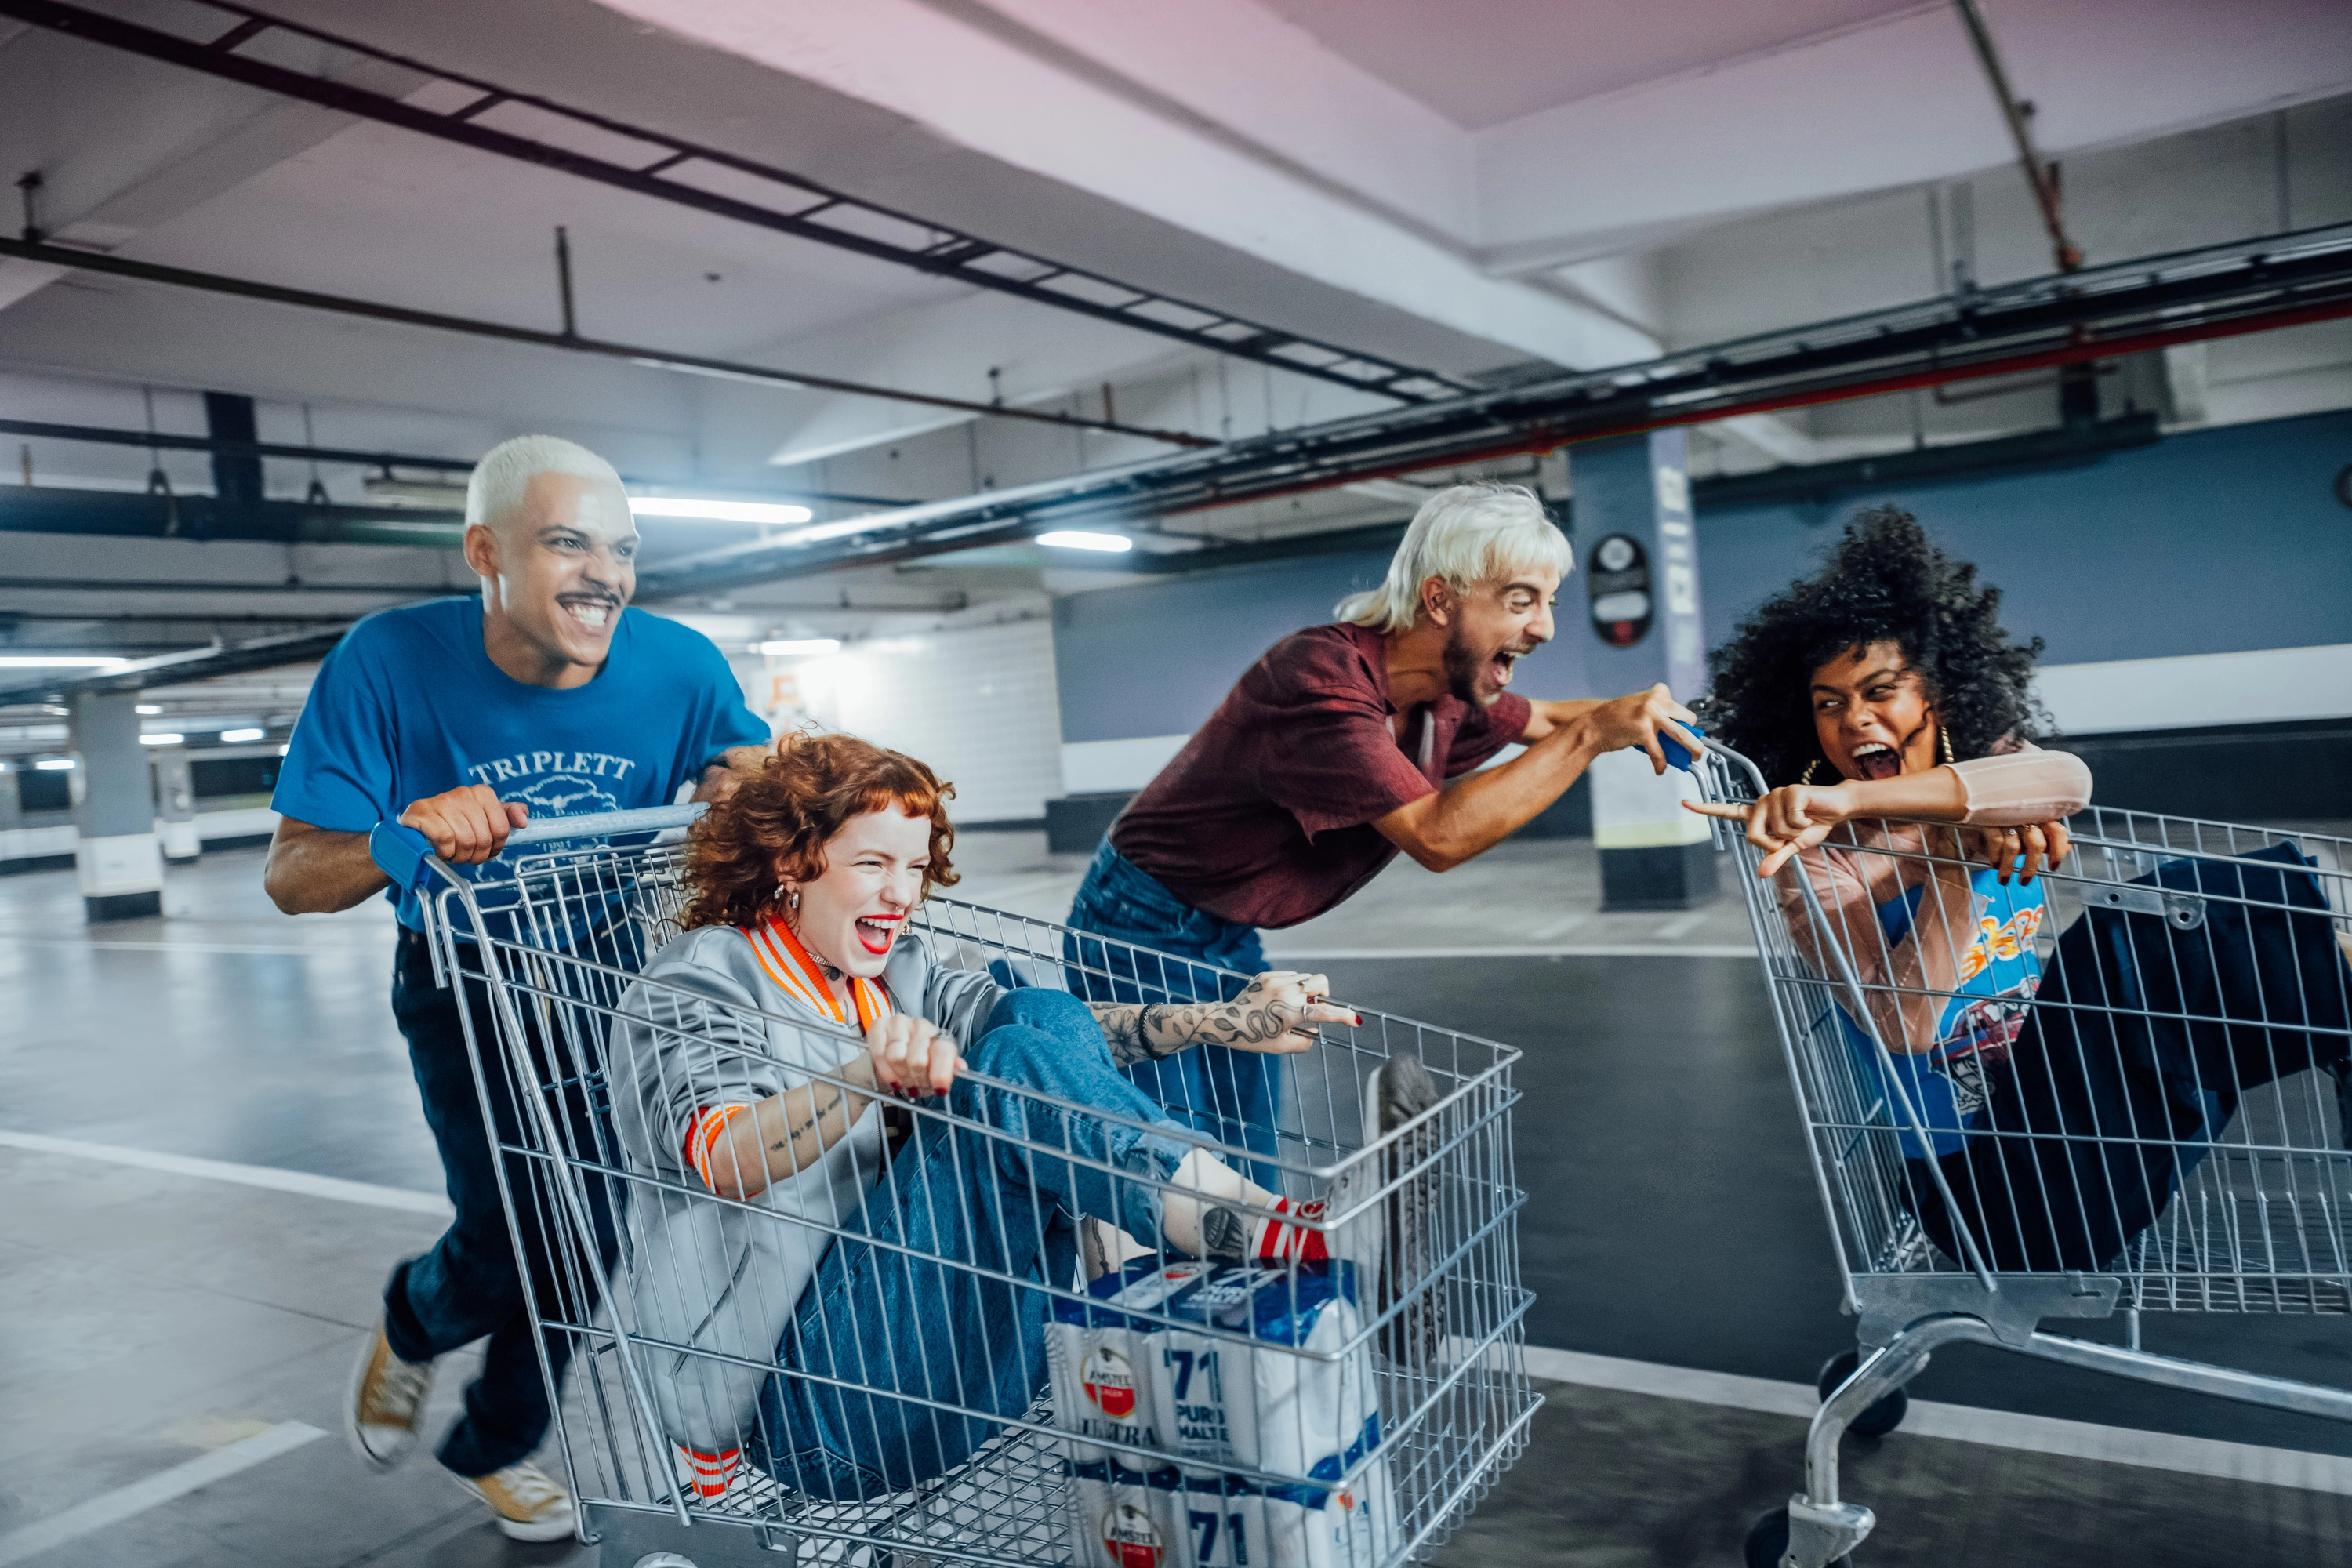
{"type": "Point", "coordinates": [710, 1472]}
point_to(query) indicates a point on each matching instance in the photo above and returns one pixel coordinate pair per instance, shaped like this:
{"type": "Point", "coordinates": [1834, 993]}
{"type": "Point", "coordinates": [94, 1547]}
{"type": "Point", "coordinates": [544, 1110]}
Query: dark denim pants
{"type": "Point", "coordinates": [1235, 1097]}
{"type": "Point", "coordinates": [2141, 1041]}
{"type": "Point", "coordinates": [899, 1329]}
{"type": "Point", "coordinates": [467, 1285]}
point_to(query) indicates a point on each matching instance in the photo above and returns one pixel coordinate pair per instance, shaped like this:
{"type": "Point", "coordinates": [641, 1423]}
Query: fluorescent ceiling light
{"type": "Point", "coordinates": [787, 646]}
{"type": "Point", "coordinates": [163, 740]}
{"type": "Point", "coordinates": [59, 661]}
{"type": "Point", "coordinates": [238, 737]}
{"type": "Point", "coordinates": [149, 710]}
{"type": "Point", "coordinates": [54, 764]}
{"type": "Point", "coordinates": [719, 510]}
{"type": "Point", "coordinates": [1067, 539]}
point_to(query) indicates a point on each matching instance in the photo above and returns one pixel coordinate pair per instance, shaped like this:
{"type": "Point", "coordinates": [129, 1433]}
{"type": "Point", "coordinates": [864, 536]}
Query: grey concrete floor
{"type": "Point", "coordinates": [148, 1317]}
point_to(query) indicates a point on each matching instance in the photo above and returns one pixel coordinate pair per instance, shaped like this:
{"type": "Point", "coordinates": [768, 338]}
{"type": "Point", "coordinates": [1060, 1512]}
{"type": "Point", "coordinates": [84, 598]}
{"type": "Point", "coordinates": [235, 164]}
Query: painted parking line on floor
{"type": "Point", "coordinates": [270, 1176]}
{"type": "Point", "coordinates": [114, 1506]}
{"type": "Point", "coordinates": [1558, 949]}
{"type": "Point", "coordinates": [1964, 1423]}
{"type": "Point", "coordinates": [111, 945]}
{"type": "Point", "coordinates": [1926, 1418]}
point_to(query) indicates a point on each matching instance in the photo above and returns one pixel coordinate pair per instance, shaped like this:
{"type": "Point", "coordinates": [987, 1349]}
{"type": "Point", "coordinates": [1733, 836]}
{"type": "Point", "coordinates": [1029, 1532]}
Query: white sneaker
{"type": "Point", "coordinates": [531, 1504]}
{"type": "Point", "coordinates": [387, 1400]}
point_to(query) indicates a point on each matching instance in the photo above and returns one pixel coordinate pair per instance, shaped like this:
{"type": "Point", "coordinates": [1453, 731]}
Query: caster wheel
{"type": "Point", "coordinates": [1768, 1541]}
{"type": "Point", "coordinates": [663, 1560]}
{"type": "Point", "coordinates": [1876, 1421]}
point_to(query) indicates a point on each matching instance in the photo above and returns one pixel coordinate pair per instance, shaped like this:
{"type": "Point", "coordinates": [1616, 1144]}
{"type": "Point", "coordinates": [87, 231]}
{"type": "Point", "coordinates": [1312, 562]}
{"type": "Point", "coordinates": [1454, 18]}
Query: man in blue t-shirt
{"type": "Point", "coordinates": [464, 719]}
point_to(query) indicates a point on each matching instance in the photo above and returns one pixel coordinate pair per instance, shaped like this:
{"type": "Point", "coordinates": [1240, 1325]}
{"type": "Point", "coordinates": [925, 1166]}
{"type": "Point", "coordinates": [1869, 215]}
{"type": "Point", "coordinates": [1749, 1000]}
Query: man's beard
{"type": "Point", "coordinates": [1462, 668]}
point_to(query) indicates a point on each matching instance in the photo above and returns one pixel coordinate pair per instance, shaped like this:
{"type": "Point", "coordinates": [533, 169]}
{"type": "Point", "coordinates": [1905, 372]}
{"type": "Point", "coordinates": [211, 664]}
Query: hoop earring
{"type": "Point", "coordinates": [1807, 776]}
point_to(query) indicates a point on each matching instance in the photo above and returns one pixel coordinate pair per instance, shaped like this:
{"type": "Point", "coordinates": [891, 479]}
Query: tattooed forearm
{"type": "Point", "coordinates": [826, 1103]}
{"type": "Point", "coordinates": [1123, 1030]}
{"type": "Point", "coordinates": [814, 1117]}
{"type": "Point", "coordinates": [1139, 1034]}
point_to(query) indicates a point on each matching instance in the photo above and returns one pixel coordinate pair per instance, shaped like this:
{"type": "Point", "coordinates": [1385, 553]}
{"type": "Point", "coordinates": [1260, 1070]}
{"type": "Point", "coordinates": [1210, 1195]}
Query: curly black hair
{"type": "Point", "coordinates": [1886, 581]}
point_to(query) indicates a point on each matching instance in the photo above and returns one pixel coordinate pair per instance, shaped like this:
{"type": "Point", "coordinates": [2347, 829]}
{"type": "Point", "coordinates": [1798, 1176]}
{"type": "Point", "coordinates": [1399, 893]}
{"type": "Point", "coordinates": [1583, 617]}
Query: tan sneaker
{"type": "Point", "coordinates": [531, 1504]}
{"type": "Point", "coordinates": [387, 1400]}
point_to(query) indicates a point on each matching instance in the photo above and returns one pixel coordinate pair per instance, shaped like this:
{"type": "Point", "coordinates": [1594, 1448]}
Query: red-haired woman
{"type": "Point", "coordinates": [803, 881]}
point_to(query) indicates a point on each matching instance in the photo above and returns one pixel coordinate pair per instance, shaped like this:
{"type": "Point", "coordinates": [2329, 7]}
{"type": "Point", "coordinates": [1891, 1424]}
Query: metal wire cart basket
{"type": "Point", "coordinates": [2120, 1090]}
{"type": "Point", "coordinates": [1182, 1416]}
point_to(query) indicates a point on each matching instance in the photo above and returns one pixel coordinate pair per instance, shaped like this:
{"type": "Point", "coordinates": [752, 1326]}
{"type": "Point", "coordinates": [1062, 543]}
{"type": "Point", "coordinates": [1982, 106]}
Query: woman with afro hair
{"type": "Point", "coordinates": [1894, 719]}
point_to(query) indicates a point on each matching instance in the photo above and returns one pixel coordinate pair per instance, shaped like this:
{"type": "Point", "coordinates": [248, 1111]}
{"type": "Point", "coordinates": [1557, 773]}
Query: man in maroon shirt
{"type": "Point", "coordinates": [1333, 753]}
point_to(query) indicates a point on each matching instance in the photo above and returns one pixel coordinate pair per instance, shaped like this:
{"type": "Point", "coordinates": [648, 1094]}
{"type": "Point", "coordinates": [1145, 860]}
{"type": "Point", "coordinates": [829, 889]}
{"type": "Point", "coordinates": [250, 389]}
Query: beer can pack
{"type": "Point", "coordinates": [1122, 1519]}
{"type": "Point", "coordinates": [1266, 1382]}
{"type": "Point", "coordinates": [1238, 1368]}
{"type": "Point", "coordinates": [1094, 1359]}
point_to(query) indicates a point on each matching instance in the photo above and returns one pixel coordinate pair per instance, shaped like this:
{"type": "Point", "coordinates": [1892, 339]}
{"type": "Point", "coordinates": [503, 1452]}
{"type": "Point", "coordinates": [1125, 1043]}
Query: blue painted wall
{"type": "Point", "coordinates": [2208, 543]}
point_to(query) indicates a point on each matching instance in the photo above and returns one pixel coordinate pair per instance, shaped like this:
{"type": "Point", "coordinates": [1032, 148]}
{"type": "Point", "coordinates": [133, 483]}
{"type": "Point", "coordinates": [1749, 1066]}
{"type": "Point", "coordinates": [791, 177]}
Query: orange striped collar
{"type": "Point", "coordinates": [796, 974]}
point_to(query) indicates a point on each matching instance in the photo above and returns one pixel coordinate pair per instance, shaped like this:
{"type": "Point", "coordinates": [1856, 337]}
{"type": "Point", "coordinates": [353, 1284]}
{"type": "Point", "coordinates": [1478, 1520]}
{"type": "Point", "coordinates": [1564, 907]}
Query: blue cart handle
{"type": "Point", "coordinates": [406, 856]}
{"type": "Point", "coordinates": [1675, 755]}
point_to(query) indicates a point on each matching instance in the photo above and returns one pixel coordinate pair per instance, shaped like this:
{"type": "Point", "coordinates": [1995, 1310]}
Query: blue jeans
{"type": "Point", "coordinates": [1233, 1097]}
{"type": "Point", "coordinates": [887, 1322]}
{"type": "Point", "coordinates": [467, 1286]}
{"type": "Point", "coordinates": [2142, 1039]}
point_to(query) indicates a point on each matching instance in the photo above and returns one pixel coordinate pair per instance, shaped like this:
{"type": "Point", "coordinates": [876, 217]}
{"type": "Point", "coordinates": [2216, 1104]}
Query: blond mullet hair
{"type": "Point", "coordinates": [1462, 535]}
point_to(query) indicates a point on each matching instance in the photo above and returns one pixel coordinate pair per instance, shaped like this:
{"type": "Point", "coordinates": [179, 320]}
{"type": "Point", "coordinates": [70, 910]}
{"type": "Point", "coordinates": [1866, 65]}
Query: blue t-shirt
{"type": "Point", "coordinates": [1992, 991]}
{"type": "Point", "coordinates": [409, 705]}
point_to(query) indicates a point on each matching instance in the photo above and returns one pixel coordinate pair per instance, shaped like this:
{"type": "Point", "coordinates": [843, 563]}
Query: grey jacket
{"type": "Point", "coordinates": [705, 1026]}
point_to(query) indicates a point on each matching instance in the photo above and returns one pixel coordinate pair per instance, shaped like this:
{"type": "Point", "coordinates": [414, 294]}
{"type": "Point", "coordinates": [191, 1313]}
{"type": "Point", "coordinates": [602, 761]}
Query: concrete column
{"type": "Point", "coordinates": [12, 801]}
{"type": "Point", "coordinates": [1640, 557]}
{"type": "Point", "coordinates": [119, 860]}
{"type": "Point", "coordinates": [175, 804]}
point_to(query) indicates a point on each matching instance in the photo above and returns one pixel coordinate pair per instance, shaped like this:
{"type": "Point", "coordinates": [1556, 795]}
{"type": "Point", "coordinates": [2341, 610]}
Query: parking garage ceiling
{"type": "Point", "coordinates": [1524, 191]}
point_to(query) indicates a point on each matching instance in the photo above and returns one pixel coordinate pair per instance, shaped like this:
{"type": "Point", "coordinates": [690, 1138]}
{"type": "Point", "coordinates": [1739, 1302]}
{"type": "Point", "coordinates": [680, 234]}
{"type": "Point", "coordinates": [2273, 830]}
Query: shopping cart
{"type": "Point", "coordinates": [2136, 1102]}
{"type": "Point", "coordinates": [1424, 1384]}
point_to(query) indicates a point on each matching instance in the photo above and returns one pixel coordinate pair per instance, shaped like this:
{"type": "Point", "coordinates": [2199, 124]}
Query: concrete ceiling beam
{"type": "Point", "coordinates": [1892, 102]}
{"type": "Point", "coordinates": [979, 87]}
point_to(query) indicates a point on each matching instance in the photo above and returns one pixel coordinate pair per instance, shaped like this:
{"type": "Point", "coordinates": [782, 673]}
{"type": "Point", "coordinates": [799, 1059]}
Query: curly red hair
{"type": "Point", "coordinates": [778, 821]}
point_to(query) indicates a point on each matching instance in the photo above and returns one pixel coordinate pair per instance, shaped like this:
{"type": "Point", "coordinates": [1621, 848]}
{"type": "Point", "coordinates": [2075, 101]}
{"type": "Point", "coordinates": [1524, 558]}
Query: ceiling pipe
{"type": "Point", "coordinates": [2124, 308]}
{"type": "Point", "coordinates": [2043, 176]}
{"type": "Point", "coordinates": [2038, 323]}
{"type": "Point", "coordinates": [44, 508]}
{"type": "Point", "coordinates": [653, 358]}
{"type": "Point", "coordinates": [803, 207]}
{"type": "Point", "coordinates": [103, 435]}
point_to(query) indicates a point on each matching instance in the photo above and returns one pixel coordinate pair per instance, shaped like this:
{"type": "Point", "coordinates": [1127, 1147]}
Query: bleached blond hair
{"type": "Point", "coordinates": [497, 486]}
{"type": "Point", "coordinates": [1462, 535]}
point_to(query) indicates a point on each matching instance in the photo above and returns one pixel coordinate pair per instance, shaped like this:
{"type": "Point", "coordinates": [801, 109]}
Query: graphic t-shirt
{"type": "Point", "coordinates": [1993, 987]}
{"type": "Point", "coordinates": [409, 705]}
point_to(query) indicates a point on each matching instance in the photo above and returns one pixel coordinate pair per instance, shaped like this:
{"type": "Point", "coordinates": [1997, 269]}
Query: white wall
{"type": "Point", "coordinates": [979, 705]}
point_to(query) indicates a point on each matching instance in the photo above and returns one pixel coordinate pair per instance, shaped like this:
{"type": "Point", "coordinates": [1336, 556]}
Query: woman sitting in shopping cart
{"type": "Point", "coordinates": [2063, 1098]}
{"type": "Point", "coordinates": [773, 1224]}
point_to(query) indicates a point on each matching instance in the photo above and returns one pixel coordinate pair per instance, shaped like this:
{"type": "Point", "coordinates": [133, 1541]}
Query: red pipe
{"type": "Point", "coordinates": [2073, 353]}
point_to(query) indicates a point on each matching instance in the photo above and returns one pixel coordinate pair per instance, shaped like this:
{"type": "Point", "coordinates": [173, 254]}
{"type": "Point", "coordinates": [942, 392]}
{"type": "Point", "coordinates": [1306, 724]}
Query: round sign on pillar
{"type": "Point", "coordinates": [1619, 584]}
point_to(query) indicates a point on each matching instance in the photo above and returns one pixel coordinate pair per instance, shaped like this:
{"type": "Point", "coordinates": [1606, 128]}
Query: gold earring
{"type": "Point", "coordinates": [1807, 776]}
{"type": "Point", "coordinates": [1944, 730]}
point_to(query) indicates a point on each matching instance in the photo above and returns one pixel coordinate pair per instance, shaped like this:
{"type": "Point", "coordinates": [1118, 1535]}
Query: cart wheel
{"type": "Point", "coordinates": [1876, 1421]}
{"type": "Point", "coordinates": [666, 1560]}
{"type": "Point", "coordinates": [1768, 1541]}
